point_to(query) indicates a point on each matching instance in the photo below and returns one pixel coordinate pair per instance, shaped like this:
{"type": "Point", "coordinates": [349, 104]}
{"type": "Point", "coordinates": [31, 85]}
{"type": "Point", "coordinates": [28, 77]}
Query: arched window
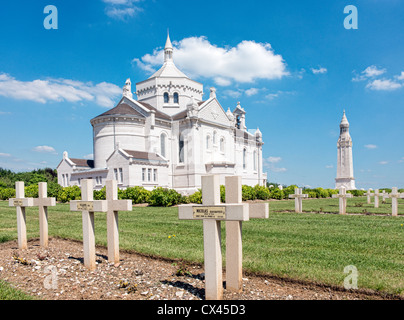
{"type": "Point", "coordinates": [176, 98]}
{"type": "Point", "coordinates": [163, 139]}
{"type": "Point", "coordinates": [214, 137]}
{"type": "Point", "coordinates": [166, 97]}
{"type": "Point", "coordinates": [221, 144]}
{"type": "Point", "coordinates": [244, 159]}
{"type": "Point", "coordinates": [208, 142]}
{"type": "Point", "coordinates": [181, 149]}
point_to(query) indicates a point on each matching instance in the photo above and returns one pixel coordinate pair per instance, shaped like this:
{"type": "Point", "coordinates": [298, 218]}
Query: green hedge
{"type": "Point", "coordinates": [162, 197]}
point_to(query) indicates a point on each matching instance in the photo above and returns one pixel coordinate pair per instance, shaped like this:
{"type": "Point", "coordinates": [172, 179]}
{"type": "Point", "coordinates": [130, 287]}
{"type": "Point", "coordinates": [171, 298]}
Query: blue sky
{"type": "Point", "coordinates": [291, 64]}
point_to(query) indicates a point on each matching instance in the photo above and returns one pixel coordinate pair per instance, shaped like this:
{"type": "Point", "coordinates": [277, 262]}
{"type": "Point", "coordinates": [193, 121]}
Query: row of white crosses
{"type": "Point", "coordinates": [87, 206]}
{"type": "Point", "coordinates": [213, 212]}
{"type": "Point", "coordinates": [394, 195]}
{"type": "Point", "coordinates": [42, 202]}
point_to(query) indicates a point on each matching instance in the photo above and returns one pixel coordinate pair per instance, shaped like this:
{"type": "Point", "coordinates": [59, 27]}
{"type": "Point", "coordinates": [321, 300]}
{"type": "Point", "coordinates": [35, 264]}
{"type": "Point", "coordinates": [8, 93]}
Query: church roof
{"type": "Point", "coordinates": [169, 70]}
{"type": "Point", "coordinates": [144, 155]}
{"type": "Point", "coordinates": [83, 163]}
{"type": "Point", "coordinates": [159, 114]}
{"type": "Point", "coordinates": [122, 109]}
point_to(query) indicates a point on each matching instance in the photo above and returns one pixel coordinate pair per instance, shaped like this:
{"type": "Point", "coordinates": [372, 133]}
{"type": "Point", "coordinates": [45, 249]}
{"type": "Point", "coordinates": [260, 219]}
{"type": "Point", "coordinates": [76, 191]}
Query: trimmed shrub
{"type": "Point", "coordinates": [196, 197]}
{"type": "Point", "coordinates": [31, 191]}
{"type": "Point", "coordinates": [7, 193]}
{"type": "Point", "coordinates": [100, 194]}
{"type": "Point", "coordinates": [277, 194]}
{"type": "Point", "coordinates": [261, 192]}
{"type": "Point", "coordinates": [359, 193]}
{"type": "Point", "coordinates": [137, 194]}
{"type": "Point", "coordinates": [161, 197]}
{"type": "Point", "coordinates": [69, 193]}
{"type": "Point", "coordinates": [223, 194]}
{"type": "Point", "coordinates": [248, 193]}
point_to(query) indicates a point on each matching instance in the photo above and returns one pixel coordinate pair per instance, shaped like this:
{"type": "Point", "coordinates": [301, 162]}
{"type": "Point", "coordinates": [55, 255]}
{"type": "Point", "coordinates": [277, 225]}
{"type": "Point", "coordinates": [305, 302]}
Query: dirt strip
{"type": "Point", "coordinates": [58, 273]}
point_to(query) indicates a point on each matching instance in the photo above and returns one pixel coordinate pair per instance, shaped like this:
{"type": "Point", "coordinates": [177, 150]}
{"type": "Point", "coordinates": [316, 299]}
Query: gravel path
{"type": "Point", "coordinates": [137, 277]}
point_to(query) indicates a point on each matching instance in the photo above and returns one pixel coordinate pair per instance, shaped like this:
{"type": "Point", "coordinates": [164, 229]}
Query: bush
{"type": "Point", "coordinates": [53, 189]}
{"type": "Point", "coordinates": [100, 194]}
{"type": "Point", "coordinates": [223, 194]}
{"type": "Point", "coordinates": [357, 193]}
{"type": "Point", "coordinates": [277, 194]}
{"type": "Point", "coordinates": [138, 195]}
{"type": "Point", "coordinates": [69, 193]}
{"type": "Point", "coordinates": [7, 193]}
{"type": "Point", "coordinates": [196, 197]}
{"type": "Point", "coordinates": [248, 193]}
{"type": "Point", "coordinates": [289, 190]}
{"type": "Point", "coordinates": [161, 197]}
{"type": "Point", "coordinates": [261, 192]}
{"type": "Point", "coordinates": [31, 191]}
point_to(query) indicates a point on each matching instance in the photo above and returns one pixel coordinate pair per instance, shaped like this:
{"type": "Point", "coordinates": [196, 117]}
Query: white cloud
{"type": "Point", "coordinates": [269, 163]}
{"type": "Point", "coordinates": [198, 58]}
{"type": "Point", "coordinates": [274, 159]}
{"type": "Point", "coordinates": [251, 92]}
{"type": "Point", "coordinates": [401, 76]}
{"type": "Point", "coordinates": [121, 9]}
{"type": "Point", "coordinates": [369, 72]}
{"type": "Point", "coordinates": [233, 93]}
{"type": "Point", "coordinates": [5, 155]}
{"type": "Point", "coordinates": [58, 90]}
{"type": "Point", "coordinates": [319, 70]}
{"type": "Point", "coordinates": [45, 149]}
{"type": "Point", "coordinates": [330, 166]}
{"type": "Point", "coordinates": [383, 85]}
{"type": "Point", "coordinates": [371, 146]}
{"type": "Point", "coordinates": [373, 71]}
{"type": "Point", "coordinates": [383, 162]}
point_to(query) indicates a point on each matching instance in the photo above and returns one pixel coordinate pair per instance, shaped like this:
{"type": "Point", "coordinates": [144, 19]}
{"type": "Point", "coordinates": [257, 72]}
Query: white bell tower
{"type": "Point", "coordinates": [345, 176]}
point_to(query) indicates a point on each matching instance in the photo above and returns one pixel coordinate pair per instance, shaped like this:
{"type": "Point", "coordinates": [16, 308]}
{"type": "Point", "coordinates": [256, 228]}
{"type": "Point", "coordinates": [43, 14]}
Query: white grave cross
{"type": "Point", "coordinates": [212, 212]}
{"type": "Point", "coordinates": [369, 194]}
{"type": "Point", "coordinates": [114, 205]}
{"type": "Point", "coordinates": [20, 202]}
{"type": "Point", "coordinates": [377, 194]}
{"type": "Point", "coordinates": [88, 206]}
{"type": "Point", "coordinates": [43, 202]}
{"type": "Point", "coordinates": [394, 195]}
{"type": "Point", "coordinates": [342, 199]}
{"type": "Point", "coordinates": [234, 247]}
{"type": "Point", "coordinates": [298, 196]}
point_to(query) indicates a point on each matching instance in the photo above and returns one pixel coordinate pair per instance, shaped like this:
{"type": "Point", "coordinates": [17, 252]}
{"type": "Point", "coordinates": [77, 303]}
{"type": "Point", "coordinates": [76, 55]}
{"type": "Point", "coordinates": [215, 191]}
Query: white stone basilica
{"type": "Point", "coordinates": [168, 137]}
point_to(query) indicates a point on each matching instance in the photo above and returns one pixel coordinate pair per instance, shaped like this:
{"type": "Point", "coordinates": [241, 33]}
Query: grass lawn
{"type": "Point", "coordinates": [309, 246]}
{"type": "Point", "coordinates": [9, 293]}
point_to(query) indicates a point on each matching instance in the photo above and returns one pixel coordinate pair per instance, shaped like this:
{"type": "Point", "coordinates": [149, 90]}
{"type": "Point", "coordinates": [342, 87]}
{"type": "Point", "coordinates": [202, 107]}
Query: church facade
{"type": "Point", "coordinates": [168, 137]}
{"type": "Point", "coordinates": [345, 175]}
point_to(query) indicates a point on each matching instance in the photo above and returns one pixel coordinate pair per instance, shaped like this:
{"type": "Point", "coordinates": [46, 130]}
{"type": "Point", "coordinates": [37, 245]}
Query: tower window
{"type": "Point", "coordinates": [208, 142]}
{"type": "Point", "coordinates": [163, 144]}
{"type": "Point", "coordinates": [181, 145]}
{"type": "Point", "coordinates": [221, 144]}
{"type": "Point", "coordinates": [166, 97]}
{"type": "Point", "coordinates": [176, 98]}
{"type": "Point", "coordinates": [245, 159]}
